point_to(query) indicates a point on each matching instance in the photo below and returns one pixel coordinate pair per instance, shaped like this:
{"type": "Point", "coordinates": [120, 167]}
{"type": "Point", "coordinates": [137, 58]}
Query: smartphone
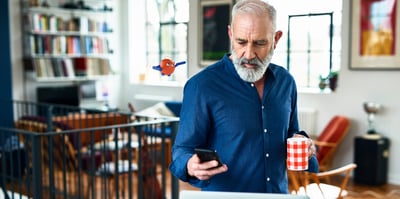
{"type": "Point", "coordinates": [206, 155]}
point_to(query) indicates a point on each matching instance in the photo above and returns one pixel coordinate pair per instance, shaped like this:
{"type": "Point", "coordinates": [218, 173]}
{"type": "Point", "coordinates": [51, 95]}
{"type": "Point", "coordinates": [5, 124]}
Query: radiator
{"type": "Point", "coordinates": [307, 120]}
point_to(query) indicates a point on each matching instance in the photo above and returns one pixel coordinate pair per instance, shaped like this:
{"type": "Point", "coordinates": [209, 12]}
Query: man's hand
{"type": "Point", "coordinates": [311, 146]}
{"type": "Point", "coordinates": [205, 170]}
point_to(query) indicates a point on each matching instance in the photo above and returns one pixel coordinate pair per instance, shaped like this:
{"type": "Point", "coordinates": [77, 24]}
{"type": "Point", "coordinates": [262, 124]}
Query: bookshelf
{"type": "Point", "coordinates": [67, 41]}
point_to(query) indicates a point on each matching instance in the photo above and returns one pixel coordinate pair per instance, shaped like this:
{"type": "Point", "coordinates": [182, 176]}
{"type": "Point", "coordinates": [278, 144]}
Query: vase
{"type": "Point", "coordinates": [333, 83]}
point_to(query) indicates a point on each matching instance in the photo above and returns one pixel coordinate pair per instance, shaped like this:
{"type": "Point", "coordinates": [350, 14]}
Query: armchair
{"type": "Point", "coordinates": [329, 140]}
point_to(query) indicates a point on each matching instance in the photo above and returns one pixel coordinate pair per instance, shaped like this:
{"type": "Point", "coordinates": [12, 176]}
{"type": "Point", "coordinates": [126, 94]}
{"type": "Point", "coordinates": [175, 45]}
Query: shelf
{"type": "Point", "coordinates": [59, 21]}
{"type": "Point", "coordinates": [61, 56]}
{"type": "Point", "coordinates": [71, 33]}
{"type": "Point", "coordinates": [66, 44]}
{"type": "Point", "coordinates": [67, 68]}
{"type": "Point", "coordinates": [69, 79]}
{"type": "Point", "coordinates": [65, 11]}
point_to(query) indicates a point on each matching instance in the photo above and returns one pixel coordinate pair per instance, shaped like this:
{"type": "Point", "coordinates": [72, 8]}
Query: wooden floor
{"type": "Point", "coordinates": [355, 190]}
{"type": "Point", "coordinates": [368, 191]}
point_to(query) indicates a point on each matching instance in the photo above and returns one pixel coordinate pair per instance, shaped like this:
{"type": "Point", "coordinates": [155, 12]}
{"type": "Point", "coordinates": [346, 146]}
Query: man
{"type": "Point", "coordinates": [245, 108]}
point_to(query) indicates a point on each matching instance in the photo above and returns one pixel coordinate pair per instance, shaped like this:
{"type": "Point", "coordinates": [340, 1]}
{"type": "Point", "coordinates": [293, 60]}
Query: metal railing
{"type": "Point", "coordinates": [49, 155]}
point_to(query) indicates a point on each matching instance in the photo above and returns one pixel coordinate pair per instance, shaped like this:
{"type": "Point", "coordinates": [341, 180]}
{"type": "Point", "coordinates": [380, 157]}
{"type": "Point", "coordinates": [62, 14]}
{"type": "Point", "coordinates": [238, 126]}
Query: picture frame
{"type": "Point", "coordinates": [214, 19]}
{"type": "Point", "coordinates": [374, 40]}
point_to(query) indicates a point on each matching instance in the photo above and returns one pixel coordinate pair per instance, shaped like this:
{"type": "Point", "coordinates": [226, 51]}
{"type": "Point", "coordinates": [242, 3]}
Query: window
{"type": "Point", "coordinates": [311, 44]}
{"type": "Point", "coordinates": [165, 31]}
{"type": "Point", "coordinates": [309, 49]}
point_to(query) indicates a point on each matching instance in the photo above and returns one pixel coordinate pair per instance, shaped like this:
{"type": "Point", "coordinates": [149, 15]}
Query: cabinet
{"type": "Point", "coordinates": [67, 41]}
{"type": "Point", "coordinates": [371, 157]}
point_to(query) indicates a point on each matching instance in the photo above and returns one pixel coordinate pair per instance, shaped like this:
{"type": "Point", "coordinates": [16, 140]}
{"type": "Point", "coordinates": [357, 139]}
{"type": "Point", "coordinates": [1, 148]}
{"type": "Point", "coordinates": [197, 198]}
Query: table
{"type": "Point", "coordinates": [371, 156]}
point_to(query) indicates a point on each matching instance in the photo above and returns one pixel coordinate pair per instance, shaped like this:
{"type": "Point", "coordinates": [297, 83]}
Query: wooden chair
{"type": "Point", "coordinates": [306, 183]}
{"type": "Point", "coordinates": [329, 139]}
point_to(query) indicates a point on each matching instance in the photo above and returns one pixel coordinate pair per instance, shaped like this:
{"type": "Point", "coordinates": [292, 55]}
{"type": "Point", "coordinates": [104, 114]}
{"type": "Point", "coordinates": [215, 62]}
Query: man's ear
{"type": "Point", "coordinates": [278, 36]}
{"type": "Point", "coordinates": [229, 32]}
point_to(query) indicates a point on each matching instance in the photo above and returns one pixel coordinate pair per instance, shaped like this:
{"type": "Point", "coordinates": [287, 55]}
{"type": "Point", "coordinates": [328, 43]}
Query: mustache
{"type": "Point", "coordinates": [243, 60]}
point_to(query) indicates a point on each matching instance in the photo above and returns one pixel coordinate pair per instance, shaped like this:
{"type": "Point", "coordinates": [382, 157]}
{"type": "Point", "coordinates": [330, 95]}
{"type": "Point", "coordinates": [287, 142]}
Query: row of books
{"type": "Point", "coordinates": [42, 22]}
{"type": "Point", "coordinates": [73, 45]}
{"type": "Point", "coordinates": [68, 67]}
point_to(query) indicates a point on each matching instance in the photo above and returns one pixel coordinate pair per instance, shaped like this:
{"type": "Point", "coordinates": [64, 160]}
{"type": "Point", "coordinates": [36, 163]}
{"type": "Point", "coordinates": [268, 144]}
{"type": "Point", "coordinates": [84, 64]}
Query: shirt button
{"type": "Point", "coordinates": [268, 179]}
{"type": "Point", "coordinates": [262, 107]}
{"type": "Point", "coordinates": [267, 155]}
{"type": "Point", "coordinates": [265, 130]}
{"type": "Point", "coordinates": [252, 85]}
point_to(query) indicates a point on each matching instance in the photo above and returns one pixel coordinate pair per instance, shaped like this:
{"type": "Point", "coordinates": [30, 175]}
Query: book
{"type": "Point", "coordinates": [49, 68]}
{"type": "Point", "coordinates": [68, 67]}
{"type": "Point", "coordinates": [41, 66]}
{"type": "Point", "coordinates": [83, 24]}
{"type": "Point", "coordinates": [80, 66]}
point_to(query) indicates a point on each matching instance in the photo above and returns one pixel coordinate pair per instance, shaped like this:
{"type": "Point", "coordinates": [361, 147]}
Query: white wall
{"type": "Point", "coordinates": [354, 88]}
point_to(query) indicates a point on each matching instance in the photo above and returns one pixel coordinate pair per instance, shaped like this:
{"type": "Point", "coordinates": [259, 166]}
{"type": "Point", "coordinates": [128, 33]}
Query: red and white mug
{"type": "Point", "coordinates": [297, 154]}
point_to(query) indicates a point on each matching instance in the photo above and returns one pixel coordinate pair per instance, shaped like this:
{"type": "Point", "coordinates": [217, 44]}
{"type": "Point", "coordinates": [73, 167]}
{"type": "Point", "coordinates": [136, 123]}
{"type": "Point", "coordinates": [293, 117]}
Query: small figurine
{"type": "Point", "coordinates": [167, 66]}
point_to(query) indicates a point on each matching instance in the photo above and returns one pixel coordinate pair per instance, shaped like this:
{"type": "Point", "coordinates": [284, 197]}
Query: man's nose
{"type": "Point", "coordinates": [249, 52]}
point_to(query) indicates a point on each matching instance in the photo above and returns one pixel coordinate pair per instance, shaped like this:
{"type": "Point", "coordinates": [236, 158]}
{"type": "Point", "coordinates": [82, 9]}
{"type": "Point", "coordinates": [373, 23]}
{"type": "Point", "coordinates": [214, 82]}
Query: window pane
{"type": "Point", "coordinates": [319, 28]}
{"type": "Point", "coordinates": [152, 38]}
{"type": "Point", "coordinates": [166, 9]}
{"type": "Point", "coordinates": [319, 65]}
{"type": "Point", "coordinates": [182, 11]}
{"type": "Point", "coordinates": [299, 68]}
{"type": "Point", "coordinates": [172, 39]}
{"type": "Point", "coordinates": [180, 38]}
{"type": "Point", "coordinates": [299, 38]}
{"type": "Point", "coordinates": [153, 16]}
{"type": "Point", "coordinates": [167, 38]}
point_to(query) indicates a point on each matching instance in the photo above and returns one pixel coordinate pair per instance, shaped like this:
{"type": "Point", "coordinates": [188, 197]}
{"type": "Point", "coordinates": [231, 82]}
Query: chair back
{"type": "Point", "coordinates": [314, 186]}
{"type": "Point", "coordinates": [329, 140]}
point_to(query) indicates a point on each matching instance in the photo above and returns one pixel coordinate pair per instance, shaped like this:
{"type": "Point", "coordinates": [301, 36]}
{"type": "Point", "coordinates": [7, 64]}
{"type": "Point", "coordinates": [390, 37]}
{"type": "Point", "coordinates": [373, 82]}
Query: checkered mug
{"type": "Point", "coordinates": [297, 154]}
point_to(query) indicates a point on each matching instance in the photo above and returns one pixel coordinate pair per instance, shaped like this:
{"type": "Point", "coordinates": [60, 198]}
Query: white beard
{"type": "Point", "coordinates": [252, 74]}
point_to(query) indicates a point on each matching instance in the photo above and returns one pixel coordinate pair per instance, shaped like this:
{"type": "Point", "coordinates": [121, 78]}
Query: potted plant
{"type": "Point", "coordinates": [332, 78]}
{"type": "Point", "coordinates": [323, 82]}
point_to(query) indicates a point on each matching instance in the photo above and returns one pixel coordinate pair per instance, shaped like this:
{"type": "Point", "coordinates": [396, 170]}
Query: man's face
{"type": "Point", "coordinates": [253, 42]}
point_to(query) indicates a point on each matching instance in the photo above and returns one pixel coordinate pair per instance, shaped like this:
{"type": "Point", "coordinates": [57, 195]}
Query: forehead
{"type": "Point", "coordinates": [253, 25]}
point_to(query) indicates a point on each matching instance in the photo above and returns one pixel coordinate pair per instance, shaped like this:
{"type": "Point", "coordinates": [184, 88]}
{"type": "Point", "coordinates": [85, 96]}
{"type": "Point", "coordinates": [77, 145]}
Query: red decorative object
{"type": "Point", "coordinates": [167, 66]}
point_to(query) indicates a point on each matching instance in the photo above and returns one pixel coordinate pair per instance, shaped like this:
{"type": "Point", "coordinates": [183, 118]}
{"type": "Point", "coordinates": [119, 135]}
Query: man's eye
{"type": "Point", "coordinates": [261, 43]}
{"type": "Point", "coordinates": [241, 42]}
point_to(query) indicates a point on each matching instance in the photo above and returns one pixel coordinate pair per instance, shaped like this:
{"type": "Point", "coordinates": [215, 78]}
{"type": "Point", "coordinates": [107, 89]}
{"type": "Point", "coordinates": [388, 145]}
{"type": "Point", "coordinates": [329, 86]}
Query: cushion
{"type": "Point", "coordinates": [328, 191]}
{"type": "Point", "coordinates": [159, 109]}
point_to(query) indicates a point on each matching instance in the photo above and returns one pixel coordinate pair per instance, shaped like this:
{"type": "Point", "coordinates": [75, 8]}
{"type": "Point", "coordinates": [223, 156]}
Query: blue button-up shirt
{"type": "Point", "coordinates": [221, 111]}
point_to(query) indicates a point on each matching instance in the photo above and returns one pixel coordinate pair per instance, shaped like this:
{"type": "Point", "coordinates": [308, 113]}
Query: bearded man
{"type": "Point", "coordinates": [245, 108]}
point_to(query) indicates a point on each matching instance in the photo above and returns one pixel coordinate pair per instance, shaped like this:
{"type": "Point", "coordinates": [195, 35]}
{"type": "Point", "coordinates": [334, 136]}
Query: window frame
{"type": "Point", "coordinates": [308, 50]}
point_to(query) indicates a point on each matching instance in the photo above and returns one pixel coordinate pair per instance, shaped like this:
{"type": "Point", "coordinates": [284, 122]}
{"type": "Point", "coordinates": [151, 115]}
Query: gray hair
{"type": "Point", "coordinates": [257, 7]}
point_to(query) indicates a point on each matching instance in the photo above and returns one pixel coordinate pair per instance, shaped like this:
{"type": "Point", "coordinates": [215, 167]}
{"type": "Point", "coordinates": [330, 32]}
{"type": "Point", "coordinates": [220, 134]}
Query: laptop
{"type": "Point", "coordinates": [191, 194]}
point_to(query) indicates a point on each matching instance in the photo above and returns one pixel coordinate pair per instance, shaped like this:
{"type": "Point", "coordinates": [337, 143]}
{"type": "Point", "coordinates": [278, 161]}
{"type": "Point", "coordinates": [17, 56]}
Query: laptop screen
{"type": "Point", "coordinates": [190, 194]}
